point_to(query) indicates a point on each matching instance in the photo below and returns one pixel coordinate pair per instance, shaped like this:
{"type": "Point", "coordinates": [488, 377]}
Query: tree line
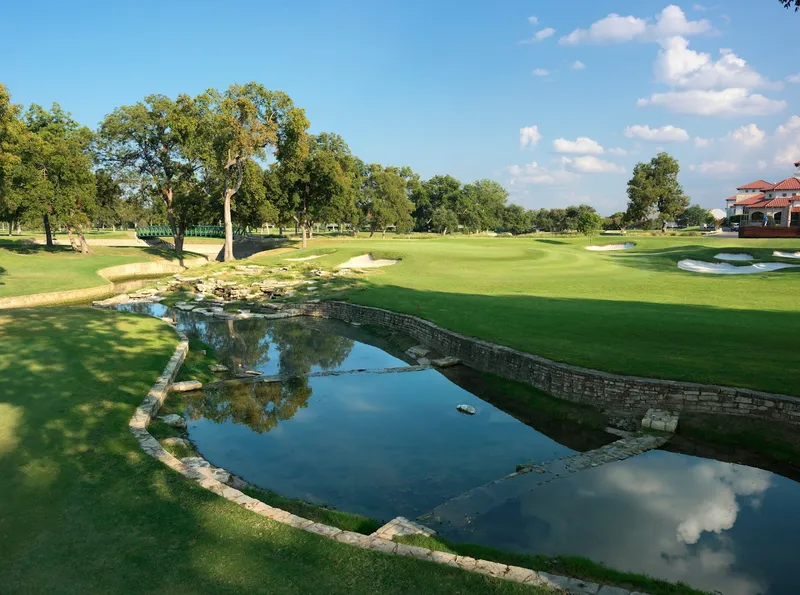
{"type": "Point", "coordinates": [240, 156]}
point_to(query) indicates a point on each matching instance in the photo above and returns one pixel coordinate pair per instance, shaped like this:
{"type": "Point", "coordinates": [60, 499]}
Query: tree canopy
{"type": "Point", "coordinates": [654, 191]}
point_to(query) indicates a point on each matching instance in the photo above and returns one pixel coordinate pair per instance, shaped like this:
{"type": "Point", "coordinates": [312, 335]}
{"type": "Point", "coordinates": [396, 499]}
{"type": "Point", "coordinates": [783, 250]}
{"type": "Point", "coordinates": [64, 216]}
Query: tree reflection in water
{"type": "Point", "coordinates": [246, 344]}
{"type": "Point", "coordinates": [260, 406]}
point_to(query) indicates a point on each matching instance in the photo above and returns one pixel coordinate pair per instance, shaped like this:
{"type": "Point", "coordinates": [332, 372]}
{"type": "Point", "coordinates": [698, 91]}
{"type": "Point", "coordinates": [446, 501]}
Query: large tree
{"type": "Point", "coordinates": [385, 202]}
{"type": "Point", "coordinates": [12, 131]}
{"type": "Point", "coordinates": [240, 125]}
{"type": "Point", "coordinates": [516, 219]}
{"type": "Point", "coordinates": [654, 191]}
{"type": "Point", "coordinates": [790, 3]}
{"type": "Point", "coordinates": [54, 179]}
{"type": "Point", "coordinates": [154, 142]}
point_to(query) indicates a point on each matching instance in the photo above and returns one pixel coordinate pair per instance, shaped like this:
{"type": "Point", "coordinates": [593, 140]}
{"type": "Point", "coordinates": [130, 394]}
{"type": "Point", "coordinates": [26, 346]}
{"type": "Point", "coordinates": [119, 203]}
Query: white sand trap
{"type": "Point", "coordinates": [724, 268]}
{"type": "Point", "coordinates": [312, 257]}
{"type": "Point", "coordinates": [366, 261]}
{"type": "Point", "coordinates": [786, 254]}
{"type": "Point", "coordinates": [607, 247]}
{"type": "Point", "coordinates": [733, 256]}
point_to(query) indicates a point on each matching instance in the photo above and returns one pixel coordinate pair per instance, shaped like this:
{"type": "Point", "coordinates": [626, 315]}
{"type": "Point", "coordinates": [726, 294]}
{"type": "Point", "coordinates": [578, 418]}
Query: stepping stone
{"type": "Point", "coordinates": [187, 385]}
{"type": "Point", "coordinates": [218, 368]}
{"type": "Point", "coordinates": [468, 409]}
{"type": "Point", "coordinates": [417, 351]}
{"type": "Point", "coordinates": [661, 420]}
{"type": "Point", "coordinates": [174, 420]}
{"type": "Point", "coordinates": [253, 373]}
{"type": "Point", "coordinates": [446, 362]}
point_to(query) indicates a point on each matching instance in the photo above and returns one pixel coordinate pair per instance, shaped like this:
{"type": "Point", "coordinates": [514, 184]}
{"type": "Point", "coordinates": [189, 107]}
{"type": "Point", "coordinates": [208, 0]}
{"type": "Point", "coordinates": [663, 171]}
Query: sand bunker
{"type": "Point", "coordinates": [366, 261]}
{"type": "Point", "coordinates": [786, 254]}
{"type": "Point", "coordinates": [724, 268]}
{"type": "Point", "coordinates": [607, 247]}
{"type": "Point", "coordinates": [733, 256]}
{"type": "Point", "coordinates": [312, 257]}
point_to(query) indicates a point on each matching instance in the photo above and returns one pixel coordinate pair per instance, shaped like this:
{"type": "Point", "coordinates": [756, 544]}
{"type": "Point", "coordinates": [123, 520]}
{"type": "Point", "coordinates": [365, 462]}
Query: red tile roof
{"type": "Point", "coordinates": [795, 209]}
{"type": "Point", "coordinates": [778, 202]}
{"type": "Point", "coordinates": [730, 198]}
{"type": "Point", "coordinates": [787, 184]}
{"type": "Point", "coordinates": [757, 185]}
{"type": "Point", "coordinates": [751, 199]}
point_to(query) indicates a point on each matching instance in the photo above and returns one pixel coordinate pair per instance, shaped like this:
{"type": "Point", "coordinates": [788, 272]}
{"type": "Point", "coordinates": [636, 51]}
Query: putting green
{"type": "Point", "coordinates": [631, 312]}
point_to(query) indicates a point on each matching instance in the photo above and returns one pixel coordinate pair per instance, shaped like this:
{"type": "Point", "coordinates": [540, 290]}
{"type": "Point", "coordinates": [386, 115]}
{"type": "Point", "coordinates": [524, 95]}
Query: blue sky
{"type": "Point", "coordinates": [456, 87]}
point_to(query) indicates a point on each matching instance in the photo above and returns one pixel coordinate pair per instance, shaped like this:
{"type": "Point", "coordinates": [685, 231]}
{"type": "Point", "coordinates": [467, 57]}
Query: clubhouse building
{"type": "Point", "coordinates": [778, 203]}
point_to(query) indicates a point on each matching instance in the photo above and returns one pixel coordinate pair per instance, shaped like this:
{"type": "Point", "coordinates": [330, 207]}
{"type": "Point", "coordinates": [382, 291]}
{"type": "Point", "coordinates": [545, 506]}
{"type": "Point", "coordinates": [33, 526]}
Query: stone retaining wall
{"type": "Point", "coordinates": [136, 269]}
{"type": "Point", "coordinates": [623, 394]}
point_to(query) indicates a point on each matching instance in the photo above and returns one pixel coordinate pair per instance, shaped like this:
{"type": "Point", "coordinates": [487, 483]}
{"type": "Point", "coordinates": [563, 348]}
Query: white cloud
{"type": "Point", "coordinates": [544, 34]}
{"type": "Point", "coordinates": [583, 145]}
{"type": "Point", "coordinates": [619, 29]}
{"type": "Point", "coordinates": [699, 8]}
{"type": "Point", "coordinates": [618, 151]}
{"type": "Point", "coordinates": [715, 167]}
{"type": "Point", "coordinates": [793, 78]}
{"type": "Point", "coordinates": [592, 165]}
{"type": "Point", "coordinates": [788, 148]}
{"type": "Point", "coordinates": [533, 20]}
{"type": "Point", "coordinates": [748, 136]}
{"type": "Point", "coordinates": [792, 126]}
{"type": "Point", "coordinates": [762, 164]}
{"type": "Point", "coordinates": [724, 103]}
{"type": "Point", "coordinates": [529, 135]}
{"type": "Point", "coordinates": [578, 65]}
{"type": "Point", "coordinates": [678, 66]}
{"type": "Point", "coordinates": [663, 134]}
{"type": "Point", "coordinates": [540, 72]}
{"type": "Point", "coordinates": [702, 143]}
{"type": "Point", "coordinates": [533, 173]}
{"type": "Point", "coordinates": [540, 36]}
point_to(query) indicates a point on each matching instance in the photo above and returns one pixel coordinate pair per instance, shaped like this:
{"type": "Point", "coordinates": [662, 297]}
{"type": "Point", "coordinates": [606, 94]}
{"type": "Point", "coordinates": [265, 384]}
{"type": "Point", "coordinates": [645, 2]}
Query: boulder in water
{"type": "Point", "coordinates": [468, 409]}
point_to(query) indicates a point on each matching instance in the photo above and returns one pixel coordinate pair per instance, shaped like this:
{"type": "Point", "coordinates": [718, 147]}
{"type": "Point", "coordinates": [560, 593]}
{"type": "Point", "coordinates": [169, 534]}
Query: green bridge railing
{"type": "Point", "coordinates": [197, 231]}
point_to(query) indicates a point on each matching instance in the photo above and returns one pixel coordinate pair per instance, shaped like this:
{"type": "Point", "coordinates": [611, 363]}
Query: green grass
{"type": "Point", "coordinates": [630, 312]}
{"type": "Point", "coordinates": [27, 269]}
{"type": "Point", "coordinates": [195, 366]}
{"type": "Point", "coordinates": [84, 510]}
{"type": "Point", "coordinates": [346, 521]}
{"type": "Point", "coordinates": [564, 565]}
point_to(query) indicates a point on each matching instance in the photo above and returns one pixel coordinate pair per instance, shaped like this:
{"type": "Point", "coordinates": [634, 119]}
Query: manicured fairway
{"type": "Point", "coordinates": [631, 312]}
{"type": "Point", "coordinates": [27, 269]}
{"type": "Point", "coordinates": [83, 510]}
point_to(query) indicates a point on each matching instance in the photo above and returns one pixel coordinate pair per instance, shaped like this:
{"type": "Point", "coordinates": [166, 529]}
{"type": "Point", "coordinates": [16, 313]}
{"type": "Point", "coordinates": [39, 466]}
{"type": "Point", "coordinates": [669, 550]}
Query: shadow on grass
{"type": "Point", "coordinates": [84, 510]}
{"type": "Point", "coordinates": [553, 242]}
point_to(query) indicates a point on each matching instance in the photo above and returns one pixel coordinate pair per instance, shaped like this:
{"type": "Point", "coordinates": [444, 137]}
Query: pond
{"type": "Point", "coordinates": [349, 421]}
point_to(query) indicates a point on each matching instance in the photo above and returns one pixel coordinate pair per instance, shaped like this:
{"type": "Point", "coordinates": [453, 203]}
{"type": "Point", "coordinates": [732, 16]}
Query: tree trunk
{"type": "Point", "coordinates": [48, 233]}
{"type": "Point", "coordinates": [664, 226]}
{"type": "Point", "coordinates": [178, 238]}
{"type": "Point", "coordinates": [228, 254]}
{"type": "Point", "coordinates": [371, 232]}
{"type": "Point", "coordinates": [72, 239]}
{"type": "Point", "coordinates": [383, 234]}
{"type": "Point", "coordinates": [311, 231]}
{"type": "Point", "coordinates": [305, 242]}
{"type": "Point", "coordinates": [19, 228]}
{"type": "Point", "coordinates": [84, 244]}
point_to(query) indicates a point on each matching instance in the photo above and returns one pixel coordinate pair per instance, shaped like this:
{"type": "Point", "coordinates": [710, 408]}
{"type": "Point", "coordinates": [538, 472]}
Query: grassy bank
{"type": "Point", "coordinates": [27, 269]}
{"type": "Point", "coordinates": [84, 510]}
{"type": "Point", "coordinates": [563, 565]}
{"type": "Point", "coordinates": [630, 312]}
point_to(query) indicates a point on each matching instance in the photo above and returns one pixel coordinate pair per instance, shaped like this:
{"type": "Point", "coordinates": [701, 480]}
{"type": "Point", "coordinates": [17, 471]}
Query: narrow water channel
{"type": "Point", "coordinates": [347, 427]}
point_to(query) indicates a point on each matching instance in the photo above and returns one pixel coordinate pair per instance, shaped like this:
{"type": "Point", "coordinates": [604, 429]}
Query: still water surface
{"type": "Point", "coordinates": [389, 444]}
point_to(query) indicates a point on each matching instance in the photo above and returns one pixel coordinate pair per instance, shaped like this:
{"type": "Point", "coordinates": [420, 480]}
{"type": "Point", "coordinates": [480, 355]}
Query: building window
{"type": "Point", "coordinates": [757, 216]}
{"type": "Point", "coordinates": [785, 194]}
{"type": "Point", "coordinates": [777, 217]}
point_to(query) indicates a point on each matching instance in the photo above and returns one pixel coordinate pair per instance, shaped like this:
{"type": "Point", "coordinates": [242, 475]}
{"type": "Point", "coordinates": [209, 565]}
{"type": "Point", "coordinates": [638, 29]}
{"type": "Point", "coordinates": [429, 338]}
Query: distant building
{"type": "Point", "coordinates": [761, 199]}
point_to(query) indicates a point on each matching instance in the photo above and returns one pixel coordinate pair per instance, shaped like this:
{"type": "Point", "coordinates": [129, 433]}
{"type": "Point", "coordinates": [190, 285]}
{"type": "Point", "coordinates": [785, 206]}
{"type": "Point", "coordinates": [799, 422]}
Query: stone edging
{"type": "Point", "coordinates": [92, 293]}
{"type": "Point", "coordinates": [614, 392]}
{"type": "Point", "coordinates": [155, 398]}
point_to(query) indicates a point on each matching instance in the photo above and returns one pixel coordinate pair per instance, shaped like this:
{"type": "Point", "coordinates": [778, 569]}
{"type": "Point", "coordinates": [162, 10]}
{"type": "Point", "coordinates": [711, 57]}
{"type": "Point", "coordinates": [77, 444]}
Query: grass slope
{"type": "Point", "coordinates": [83, 510]}
{"type": "Point", "coordinates": [631, 312]}
{"type": "Point", "coordinates": [27, 269]}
